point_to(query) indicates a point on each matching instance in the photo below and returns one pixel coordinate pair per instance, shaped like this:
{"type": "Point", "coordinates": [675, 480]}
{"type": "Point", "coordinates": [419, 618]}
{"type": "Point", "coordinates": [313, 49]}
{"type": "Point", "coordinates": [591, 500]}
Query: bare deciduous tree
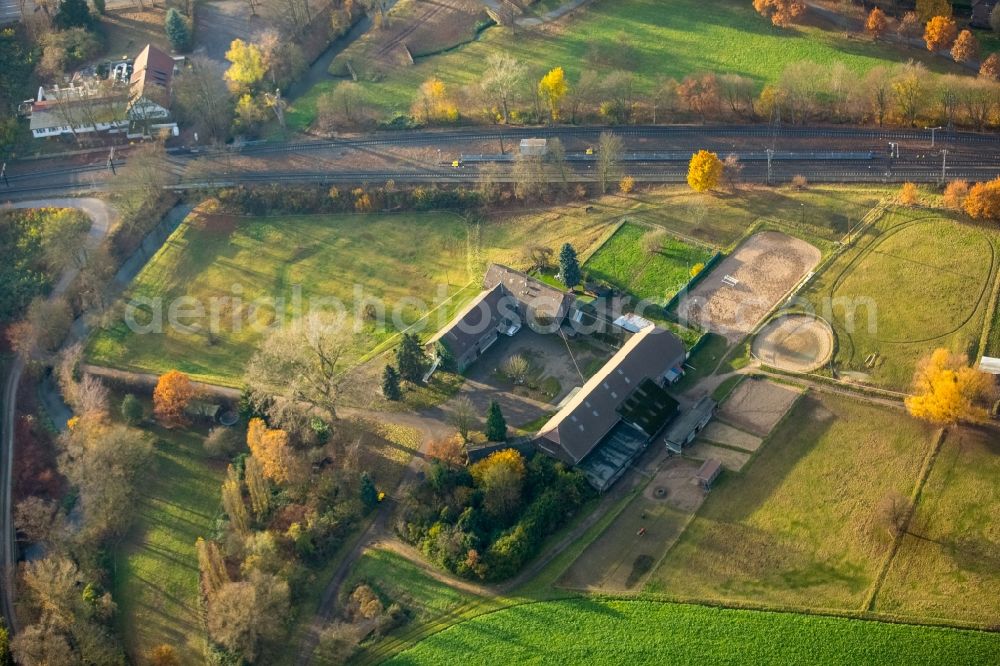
{"type": "Point", "coordinates": [463, 416]}
{"type": "Point", "coordinates": [502, 79]}
{"type": "Point", "coordinates": [202, 101]}
{"type": "Point", "coordinates": [300, 363]}
{"type": "Point", "coordinates": [610, 149]}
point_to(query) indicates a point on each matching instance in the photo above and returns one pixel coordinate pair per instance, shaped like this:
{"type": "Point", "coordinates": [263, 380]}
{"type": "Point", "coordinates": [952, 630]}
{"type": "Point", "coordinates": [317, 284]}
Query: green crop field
{"type": "Point", "coordinates": [948, 565]}
{"type": "Point", "coordinates": [624, 262]}
{"type": "Point", "coordinates": [798, 526]}
{"type": "Point", "coordinates": [156, 568]}
{"type": "Point", "coordinates": [598, 631]}
{"type": "Point", "coordinates": [684, 37]}
{"type": "Point", "coordinates": [916, 281]}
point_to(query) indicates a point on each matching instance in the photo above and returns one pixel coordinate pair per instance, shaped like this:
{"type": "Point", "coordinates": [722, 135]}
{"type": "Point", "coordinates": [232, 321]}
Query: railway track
{"type": "Point", "coordinates": [855, 155]}
{"type": "Point", "coordinates": [636, 131]}
{"type": "Point", "coordinates": [754, 172]}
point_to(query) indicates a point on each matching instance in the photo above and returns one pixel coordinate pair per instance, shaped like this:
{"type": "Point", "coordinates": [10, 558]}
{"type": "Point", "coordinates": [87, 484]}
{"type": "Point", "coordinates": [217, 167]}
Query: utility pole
{"type": "Point", "coordinates": [770, 155]}
{"type": "Point", "coordinates": [932, 129]}
{"type": "Point", "coordinates": [944, 163]}
{"type": "Point", "coordinates": [111, 161]}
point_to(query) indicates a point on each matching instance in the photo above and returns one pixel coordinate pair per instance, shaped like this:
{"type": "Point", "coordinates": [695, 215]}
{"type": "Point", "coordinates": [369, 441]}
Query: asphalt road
{"type": "Point", "coordinates": [653, 154]}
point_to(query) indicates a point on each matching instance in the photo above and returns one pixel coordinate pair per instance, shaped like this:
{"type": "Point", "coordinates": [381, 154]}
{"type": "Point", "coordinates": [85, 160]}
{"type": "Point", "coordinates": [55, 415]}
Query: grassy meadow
{"type": "Point", "coordinates": [156, 567]}
{"type": "Point", "coordinates": [423, 267]}
{"type": "Point", "coordinates": [915, 281]}
{"type": "Point", "coordinates": [397, 579]}
{"type": "Point", "coordinates": [655, 277]}
{"type": "Point", "coordinates": [615, 631]}
{"type": "Point", "coordinates": [260, 266]}
{"type": "Point", "coordinates": [819, 214]}
{"type": "Point", "coordinates": [798, 526]}
{"type": "Point", "coordinates": [684, 37]}
{"type": "Point", "coordinates": [948, 565]}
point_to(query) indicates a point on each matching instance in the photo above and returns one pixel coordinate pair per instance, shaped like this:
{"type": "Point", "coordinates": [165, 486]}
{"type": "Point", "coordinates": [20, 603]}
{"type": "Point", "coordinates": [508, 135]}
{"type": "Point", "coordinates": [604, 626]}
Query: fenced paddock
{"type": "Point", "coordinates": [747, 284]}
{"type": "Point", "coordinates": [795, 343]}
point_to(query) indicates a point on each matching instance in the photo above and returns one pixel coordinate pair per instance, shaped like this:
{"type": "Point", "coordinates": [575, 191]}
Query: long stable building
{"type": "Point", "coordinates": [619, 410]}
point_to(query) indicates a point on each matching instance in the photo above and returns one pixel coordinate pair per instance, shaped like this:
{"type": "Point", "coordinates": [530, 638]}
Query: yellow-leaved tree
{"type": "Point", "coordinates": [552, 88]}
{"type": "Point", "coordinates": [704, 171]}
{"type": "Point", "coordinates": [432, 102]}
{"type": "Point", "coordinates": [946, 390]}
{"type": "Point", "coordinates": [247, 66]}
{"type": "Point", "coordinates": [501, 478]}
{"type": "Point", "coordinates": [272, 450]}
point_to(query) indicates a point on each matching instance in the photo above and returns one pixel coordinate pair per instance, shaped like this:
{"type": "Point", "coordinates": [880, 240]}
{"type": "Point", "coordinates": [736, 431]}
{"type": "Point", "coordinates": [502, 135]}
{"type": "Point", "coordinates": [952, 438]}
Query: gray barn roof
{"type": "Point", "coordinates": [680, 430]}
{"type": "Point", "coordinates": [579, 426]}
{"type": "Point", "coordinates": [485, 313]}
{"type": "Point", "coordinates": [541, 298]}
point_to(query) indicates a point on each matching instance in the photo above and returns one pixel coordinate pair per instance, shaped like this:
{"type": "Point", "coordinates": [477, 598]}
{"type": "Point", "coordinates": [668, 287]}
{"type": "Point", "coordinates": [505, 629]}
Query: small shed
{"type": "Point", "coordinates": [534, 147]}
{"type": "Point", "coordinates": [686, 427]}
{"type": "Point", "coordinates": [632, 322]}
{"type": "Point", "coordinates": [990, 365]}
{"type": "Point", "coordinates": [708, 473]}
{"type": "Point", "coordinates": [203, 410]}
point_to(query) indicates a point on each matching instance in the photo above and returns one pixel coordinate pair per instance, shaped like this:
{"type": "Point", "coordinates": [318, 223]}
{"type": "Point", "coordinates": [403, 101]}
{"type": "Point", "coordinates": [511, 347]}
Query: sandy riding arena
{"type": "Point", "coordinates": [796, 343]}
{"type": "Point", "coordinates": [742, 289]}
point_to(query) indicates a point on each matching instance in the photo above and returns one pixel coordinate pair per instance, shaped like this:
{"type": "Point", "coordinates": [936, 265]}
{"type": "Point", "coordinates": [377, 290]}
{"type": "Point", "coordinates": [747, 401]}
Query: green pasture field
{"type": "Point", "coordinates": [396, 579]}
{"type": "Point", "coordinates": [917, 280]}
{"type": "Point", "coordinates": [624, 262]}
{"type": "Point", "coordinates": [155, 579]}
{"type": "Point", "coordinates": [599, 631]}
{"type": "Point", "coordinates": [819, 214]}
{"type": "Point", "coordinates": [799, 525]}
{"type": "Point", "coordinates": [948, 565]}
{"type": "Point", "coordinates": [723, 36]}
{"type": "Point", "coordinates": [395, 258]}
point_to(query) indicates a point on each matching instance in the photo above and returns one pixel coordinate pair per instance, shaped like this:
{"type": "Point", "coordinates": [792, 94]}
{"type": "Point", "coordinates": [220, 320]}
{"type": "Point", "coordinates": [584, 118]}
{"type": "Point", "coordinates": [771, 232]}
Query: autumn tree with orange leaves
{"type": "Point", "coordinates": [448, 450]}
{"type": "Point", "coordinates": [939, 33]}
{"type": "Point", "coordinates": [909, 195]}
{"type": "Point", "coordinates": [877, 23]}
{"type": "Point", "coordinates": [983, 201]}
{"type": "Point", "coordinates": [990, 67]}
{"type": "Point", "coordinates": [955, 193]}
{"type": "Point", "coordinates": [270, 446]}
{"type": "Point", "coordinates": [173, 393]}
{"type": "Point", "coordinates": [966, 47]}
{"type": "Point", "coordinates": [946, 390]}
{"type": "Point", "coordinates": [781, 12]}
{"type": "Point", "coordinates": [704, 171]}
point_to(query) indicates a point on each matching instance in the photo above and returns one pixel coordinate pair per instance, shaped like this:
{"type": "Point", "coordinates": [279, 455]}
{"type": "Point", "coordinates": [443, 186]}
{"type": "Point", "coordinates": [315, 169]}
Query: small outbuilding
{"type": "Point", "coordinates": [534, 147]}
{"type": "Point", "coordinates": [708, 473]}
{"type": "Point", "coordinates": [990, 365]}
{"type": "Point", "coordinates": [687, 426]}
